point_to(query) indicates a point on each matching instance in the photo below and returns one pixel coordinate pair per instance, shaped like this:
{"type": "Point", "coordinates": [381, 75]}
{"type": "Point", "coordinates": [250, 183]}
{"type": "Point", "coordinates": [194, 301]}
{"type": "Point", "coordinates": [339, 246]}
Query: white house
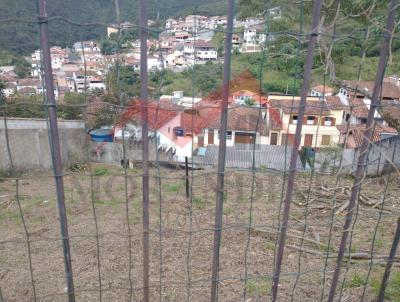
{"type": "Point", "coordinates": [169, 24]}
{"type": "Point", "coordinates": [178, 98]}
{"type": "Point", "coordinates": [96, 83]}
{"type": "Point", "coordinates": [86, 46]}
{"type": "Point", "coordinates": [200, 50]}
{"type": "Point", "coordinates": [321, 91]}
{"type": "Point", "coordinates": [254, 35]}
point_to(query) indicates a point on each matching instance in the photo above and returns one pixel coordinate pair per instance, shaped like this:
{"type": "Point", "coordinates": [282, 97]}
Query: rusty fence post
{"type": "Point", "coordinates": [294, 154]}
{"type": "Point", "coordinates": [54, 142]}
{"type": "Point", "coordinates": [363, 154]}
{"type": "Point", "coordinates": [221, 153]}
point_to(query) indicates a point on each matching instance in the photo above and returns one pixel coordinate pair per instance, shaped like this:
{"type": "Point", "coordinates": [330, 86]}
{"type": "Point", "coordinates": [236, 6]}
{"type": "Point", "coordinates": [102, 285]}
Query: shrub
{"type": "Point", "coordinates": [100, 171]}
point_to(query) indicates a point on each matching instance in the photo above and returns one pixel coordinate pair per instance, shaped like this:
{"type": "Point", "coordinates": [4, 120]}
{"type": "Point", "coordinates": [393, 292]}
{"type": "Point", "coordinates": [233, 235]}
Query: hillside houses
{"type": "Point", "coordinates": [200, 50]}
{"type": "Point", "coordinates": [318, 124]}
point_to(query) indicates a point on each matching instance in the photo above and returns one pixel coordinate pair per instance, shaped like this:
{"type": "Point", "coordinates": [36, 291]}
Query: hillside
{"type": "Point", "coordinates": [22, 38]}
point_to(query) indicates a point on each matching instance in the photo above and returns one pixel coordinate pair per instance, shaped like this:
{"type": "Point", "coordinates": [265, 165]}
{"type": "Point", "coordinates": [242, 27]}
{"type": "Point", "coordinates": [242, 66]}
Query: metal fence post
{"type": "Point", "coordinates": [221, 152]}
{"type": "Point", "coordinates": [389, 264]}
{"type": "Point", "coordinates": [145, 140]}
{"type": "Point", "coordinates": [55, 144]}
{"type": "Point", "coordinates": [294, 154]}
{"type": "Point", "coordinates": [363, 154]}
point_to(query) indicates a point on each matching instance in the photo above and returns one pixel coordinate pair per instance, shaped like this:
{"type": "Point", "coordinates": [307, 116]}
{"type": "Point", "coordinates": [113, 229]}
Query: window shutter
{"type": "Point", "coordinates": [322, 121]}
{"type": "Point", "coordinates": [333, 121]}
{"type": "Point", "coordinates": [291, 119]}
{"type": "Point", "coordinates": [315, 120]}
{"type": "Point", "coordinates": [305, 120]}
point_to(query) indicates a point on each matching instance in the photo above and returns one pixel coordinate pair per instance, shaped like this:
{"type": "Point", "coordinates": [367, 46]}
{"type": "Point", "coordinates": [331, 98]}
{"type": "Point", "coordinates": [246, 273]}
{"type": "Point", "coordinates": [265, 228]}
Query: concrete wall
{"type": "Point", "coordinates": [383, 156]}
{"type": "Point", "coordinates": [330, 161]}
{"type": "Point", "coordinates": [113, 152]}
{"type": "Point", "coordinates": [29, 143]}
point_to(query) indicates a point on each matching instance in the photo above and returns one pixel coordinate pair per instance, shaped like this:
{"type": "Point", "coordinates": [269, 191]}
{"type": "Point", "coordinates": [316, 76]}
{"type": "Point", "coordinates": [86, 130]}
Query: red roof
{"type": "Point", "coordinates": [275, 119]}
{"type": "Point", "coordinates": [357, 132]}
{"type": "Point", "coordinates": [323, 89]}
{"type": "Point", "coordinates": [195, 120]}
{"type": "Point", "coordinates": [334, 103]}
{"type": "Point", "coordinates": [158, 113]}
{"type": "Point", "coordinates": [242, 118]}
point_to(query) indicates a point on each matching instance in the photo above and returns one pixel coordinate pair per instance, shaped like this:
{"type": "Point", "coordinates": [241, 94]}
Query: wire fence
{"type": "Point", "coordinates": [246, 221]}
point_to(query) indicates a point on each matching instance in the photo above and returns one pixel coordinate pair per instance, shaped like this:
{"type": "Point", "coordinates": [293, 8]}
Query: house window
{"type": "Point", "coordinates": [326, 140]}
{"type": "Point", "coordinates": [228, 135]}
{"type": "Point", "coordinates": [274, 138]}
{"type": "Point", "coordinates": [328, 121]}
{"type": "Point", "coordinates": [294, 119]}
{"type": "Point", "coordinates": [310, 120]}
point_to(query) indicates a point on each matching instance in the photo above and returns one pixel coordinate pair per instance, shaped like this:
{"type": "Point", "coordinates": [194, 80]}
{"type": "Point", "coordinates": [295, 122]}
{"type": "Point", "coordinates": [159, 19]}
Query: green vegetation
{"type": "Point", "coordinates": [104, 117]}
{"type": "Point", "coordinates": [269, 245]}
{"type": "Point", "coordinates": [77, 166]}
{"type": "Point", "coordinates": [71, 110]}
{"type": "Point", "coordinates": [22, 67]}
{"type": "Point", "coordinates": [10, 215]}
{"type": "Point", "coordinates": [279, 68]}
{"type": "Point", "coordinates": [392, 292]}
{"type": "Point", "coordinates": [258, 287]}
{"type": "Point", "coordinates": [128, 83]}
{"type": "Point", "coordinates": [23, 38]}
{"type": "Point", "coordinates": [109, 202]}
{"type": "Point", "coordinates": [250, 102]}
{"type": "Point", "coordinates": [172, 188]}
{"type": "Point", "coordinates": [9, 212]}
{"type": "Point", "coordinates": [100, 171]}
{"type": "Point", "coordinates": [355, 281]}
{"type": "Point", "coordinates": [198, 202]}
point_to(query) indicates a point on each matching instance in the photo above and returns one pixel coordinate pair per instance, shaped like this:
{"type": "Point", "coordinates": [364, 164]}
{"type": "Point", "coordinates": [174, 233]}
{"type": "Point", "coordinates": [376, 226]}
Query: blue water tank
{"type": "Point", "coordinates": [101, 135]}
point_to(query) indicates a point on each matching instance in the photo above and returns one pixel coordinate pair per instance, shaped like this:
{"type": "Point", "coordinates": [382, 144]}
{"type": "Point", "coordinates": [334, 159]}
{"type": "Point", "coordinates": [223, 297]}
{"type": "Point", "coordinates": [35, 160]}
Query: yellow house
{"type": "Point", "coordinates": [319, 123]}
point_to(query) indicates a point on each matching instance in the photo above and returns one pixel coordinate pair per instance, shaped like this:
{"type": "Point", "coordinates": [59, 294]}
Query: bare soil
{"type": "Point", "coordinates": [181, 245]}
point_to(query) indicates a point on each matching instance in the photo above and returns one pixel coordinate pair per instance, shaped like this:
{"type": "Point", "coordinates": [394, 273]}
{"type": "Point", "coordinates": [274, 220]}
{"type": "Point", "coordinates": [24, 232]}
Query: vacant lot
{"type": "Point", "coordinates": [182, 236]}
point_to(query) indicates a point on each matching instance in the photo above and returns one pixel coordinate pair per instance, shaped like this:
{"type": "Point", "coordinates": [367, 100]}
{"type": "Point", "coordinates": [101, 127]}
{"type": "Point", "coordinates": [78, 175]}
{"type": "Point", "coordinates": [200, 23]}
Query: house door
{"type": "Point", "coordinates": [308, 139]}
{"type": "Point", "coordinates": [244, 138]}
{"type": "Point", "coordinates": [211, 137]}
{"type": "Point", "coordinates": [201, 141]}
{"type": "Point", "coordinates": [274, 138]}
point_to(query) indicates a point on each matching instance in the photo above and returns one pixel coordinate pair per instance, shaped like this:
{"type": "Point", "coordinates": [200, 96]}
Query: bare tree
{"type": "Point", "coordinates": [337, 13]}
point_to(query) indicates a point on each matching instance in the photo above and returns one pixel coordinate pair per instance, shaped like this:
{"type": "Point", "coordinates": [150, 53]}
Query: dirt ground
{"type": "Point", "coordinates": [181, 245]}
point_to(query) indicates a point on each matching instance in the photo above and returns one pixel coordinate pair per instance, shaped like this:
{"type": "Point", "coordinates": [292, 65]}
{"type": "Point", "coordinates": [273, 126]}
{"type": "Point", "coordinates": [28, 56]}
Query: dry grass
{"type": "Point", "coordinates": [40, 211]}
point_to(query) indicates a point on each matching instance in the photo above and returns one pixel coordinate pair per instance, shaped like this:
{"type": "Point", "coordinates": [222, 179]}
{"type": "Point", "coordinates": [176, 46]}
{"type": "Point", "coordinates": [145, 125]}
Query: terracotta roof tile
{"type": "Point", "coordinates": [334, 103]}
{"type": "Point", "coordinates": [292, 106]}
{"type": "Point", "coordinates": [389, 90]}
{"type": "Point", "coordinates": [357, 131]}
{"type": "Point", "coordinates": [322, 89]}
{"type": "Point", "coordinates": [158, 113]}
{"type": "Point", "coordinates": [359, 109]}
{"type": "Point", "coordinates": [242, 118]}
